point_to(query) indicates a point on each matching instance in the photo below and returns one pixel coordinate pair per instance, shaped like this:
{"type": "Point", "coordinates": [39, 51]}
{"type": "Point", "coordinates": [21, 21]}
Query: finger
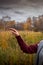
{"type": "Point", "coordinates": [13, 29]}
{"type": "Point", "coordinates": [13, 32]}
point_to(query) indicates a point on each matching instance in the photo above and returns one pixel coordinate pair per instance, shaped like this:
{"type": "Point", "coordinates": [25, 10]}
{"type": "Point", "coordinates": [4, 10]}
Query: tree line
{"type": "Point", "coordinates": [31, 24]}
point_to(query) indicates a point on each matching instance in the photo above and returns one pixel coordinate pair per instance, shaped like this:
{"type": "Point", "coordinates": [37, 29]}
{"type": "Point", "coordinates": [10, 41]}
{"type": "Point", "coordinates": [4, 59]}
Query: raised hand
{"type": "Point", "coordinates": [14, 31]}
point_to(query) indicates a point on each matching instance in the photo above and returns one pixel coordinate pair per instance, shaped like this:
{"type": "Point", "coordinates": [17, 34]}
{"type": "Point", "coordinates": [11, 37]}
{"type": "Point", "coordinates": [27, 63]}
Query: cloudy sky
{"type": "Point", "coordinates": [20, 10]}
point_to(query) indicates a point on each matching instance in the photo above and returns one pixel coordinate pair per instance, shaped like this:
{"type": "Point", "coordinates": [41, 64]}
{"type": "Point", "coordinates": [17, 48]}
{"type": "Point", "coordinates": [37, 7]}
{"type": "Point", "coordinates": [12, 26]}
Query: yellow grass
{"type": "Point", "coordinates": [7, 40]}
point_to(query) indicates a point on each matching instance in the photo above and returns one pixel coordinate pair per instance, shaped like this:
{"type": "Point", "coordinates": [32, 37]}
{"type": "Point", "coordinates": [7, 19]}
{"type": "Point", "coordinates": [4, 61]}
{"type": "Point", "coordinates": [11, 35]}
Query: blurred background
{"type": "Point", "coordinates": [27, 17]}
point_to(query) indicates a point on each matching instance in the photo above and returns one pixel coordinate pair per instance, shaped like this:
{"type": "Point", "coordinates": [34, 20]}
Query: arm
{"type": "Point", "coordinates": [25, 48]}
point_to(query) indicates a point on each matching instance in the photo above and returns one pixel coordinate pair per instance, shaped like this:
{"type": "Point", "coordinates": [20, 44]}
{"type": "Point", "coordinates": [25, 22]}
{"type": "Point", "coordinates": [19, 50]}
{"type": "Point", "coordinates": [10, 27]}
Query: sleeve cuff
{"type": "Point", "coordinates": [17, 36]}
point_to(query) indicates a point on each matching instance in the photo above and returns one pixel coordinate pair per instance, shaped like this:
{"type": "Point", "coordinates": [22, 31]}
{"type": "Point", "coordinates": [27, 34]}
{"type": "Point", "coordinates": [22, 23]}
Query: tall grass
{"type": "Point", "coordinates": [10, 52]}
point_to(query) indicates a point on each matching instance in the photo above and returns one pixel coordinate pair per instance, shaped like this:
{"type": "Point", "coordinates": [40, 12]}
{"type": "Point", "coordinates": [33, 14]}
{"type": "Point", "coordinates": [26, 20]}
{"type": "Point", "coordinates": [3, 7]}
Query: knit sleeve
{"type": "Point", "coordinates": [26, 48]}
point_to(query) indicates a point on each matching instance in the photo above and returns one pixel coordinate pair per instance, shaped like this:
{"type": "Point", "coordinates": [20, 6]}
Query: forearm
{"type": "Point", "coordinates": [27, 49]}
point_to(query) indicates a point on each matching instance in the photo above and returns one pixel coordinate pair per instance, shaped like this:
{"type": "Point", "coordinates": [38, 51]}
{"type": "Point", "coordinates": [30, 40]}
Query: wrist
{"type": "Point", "coordinates": [17, 35]}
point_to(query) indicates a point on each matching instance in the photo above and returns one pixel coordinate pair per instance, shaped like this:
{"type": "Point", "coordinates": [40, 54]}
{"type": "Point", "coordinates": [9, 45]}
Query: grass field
{"type": "Point", "coordinates": [10, 52]}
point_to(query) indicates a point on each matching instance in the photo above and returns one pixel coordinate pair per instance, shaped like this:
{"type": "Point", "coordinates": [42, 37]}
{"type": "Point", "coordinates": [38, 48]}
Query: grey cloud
{"type": "Point", "coordinates": [9, 1]}
{"type": "Point", "coordinates": [35, 0]}
{"type": "Point", "coordinates": [21, 8]}
{"type": "Point", "coordinates": [18, 12]}
{"type": "Point", "coordinates": [19, 1]}
{"type": "Point", "coordinates": [5, 8]}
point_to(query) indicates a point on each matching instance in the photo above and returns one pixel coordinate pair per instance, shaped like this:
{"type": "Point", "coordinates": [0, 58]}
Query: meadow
{"type": "Point", "coordinates": [10, 52]}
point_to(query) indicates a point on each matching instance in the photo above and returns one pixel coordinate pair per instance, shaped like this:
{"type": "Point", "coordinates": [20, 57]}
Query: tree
{"type": "Point", "coordinates": [29, 23]}
{"type": "Point", "coordinates": [38, 24]}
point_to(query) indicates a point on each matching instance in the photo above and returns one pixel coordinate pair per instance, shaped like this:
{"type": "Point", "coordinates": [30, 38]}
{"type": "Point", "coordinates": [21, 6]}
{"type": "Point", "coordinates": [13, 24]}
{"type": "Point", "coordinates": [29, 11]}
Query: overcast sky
{"type": "Point", "coordinates": [20, 10]}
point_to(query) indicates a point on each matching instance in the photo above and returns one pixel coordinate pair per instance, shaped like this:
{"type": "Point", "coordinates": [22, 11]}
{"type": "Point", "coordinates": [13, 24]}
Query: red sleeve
{"type": "Point", "coordinates": [25, 48]}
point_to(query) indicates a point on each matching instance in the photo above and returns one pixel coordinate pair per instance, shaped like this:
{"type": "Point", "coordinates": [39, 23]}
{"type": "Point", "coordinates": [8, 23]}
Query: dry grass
{"type": "Point", "coordinates": [10, 47]}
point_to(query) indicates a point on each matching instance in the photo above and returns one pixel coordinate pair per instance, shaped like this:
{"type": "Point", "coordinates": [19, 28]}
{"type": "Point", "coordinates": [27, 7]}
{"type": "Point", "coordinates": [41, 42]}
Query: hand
{"type": "Point", "coordinates": [14, 31]}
